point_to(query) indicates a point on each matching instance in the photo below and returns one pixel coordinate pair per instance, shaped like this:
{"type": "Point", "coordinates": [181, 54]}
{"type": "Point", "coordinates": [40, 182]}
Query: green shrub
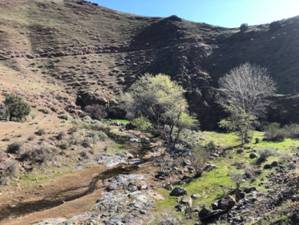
{"type": "Point", "coordinates": [14, 148]}
{"type": "Point", "coordinates": [16, 108]}
{"type": "Point", "coordinates": [142, 124]}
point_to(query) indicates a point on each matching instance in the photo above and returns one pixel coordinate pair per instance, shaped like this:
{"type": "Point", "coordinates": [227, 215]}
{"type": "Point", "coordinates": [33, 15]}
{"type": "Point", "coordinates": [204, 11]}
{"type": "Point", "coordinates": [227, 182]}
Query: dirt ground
{"type": "Point", "coordinates": [57, 191]}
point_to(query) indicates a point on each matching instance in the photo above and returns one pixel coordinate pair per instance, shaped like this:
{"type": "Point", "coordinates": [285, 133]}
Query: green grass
{"type": "Point", "coordinates": [223, 140]}
{"type": "Point", "coordinates": [122, 121]}
{"type": "Point", "coordinates": [214, 184]}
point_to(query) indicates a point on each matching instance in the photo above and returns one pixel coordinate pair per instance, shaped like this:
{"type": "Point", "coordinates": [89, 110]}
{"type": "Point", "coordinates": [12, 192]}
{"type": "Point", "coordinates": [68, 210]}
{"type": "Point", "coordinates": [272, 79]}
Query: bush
{"type": "Point", "coordinates": [274, 132]}
{"type": "Point", "coordinates": [40, 132]}
{"type": "Point", "coordinates": [142, 124]}
{"type": "Point", "coordinates": [37, 155]}
{"type": "Point", "coordinates": [16, 108]}
{"type": "Point", "coordinates": [292, 131]}
{"type": "Point", "coordinates": [14, 148]}
{"type": "Point", "coordinates": [244, 27]}
{"type": "Point", "coordinates": [275, 26]}
{"type": "Point", "coordinates": [211, 147]}
{"type": "Point", "coordinates": [9, 170]}
{"type": "Point", "coordinates": [264, 155]}
{"type": "Point", "coordinates": [3, 115]}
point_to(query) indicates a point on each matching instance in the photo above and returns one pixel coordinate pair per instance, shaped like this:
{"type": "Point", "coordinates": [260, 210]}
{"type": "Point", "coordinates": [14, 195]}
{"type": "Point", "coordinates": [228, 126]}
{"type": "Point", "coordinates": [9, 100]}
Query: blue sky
{"type": "Point", "coordinates": [228, 13]}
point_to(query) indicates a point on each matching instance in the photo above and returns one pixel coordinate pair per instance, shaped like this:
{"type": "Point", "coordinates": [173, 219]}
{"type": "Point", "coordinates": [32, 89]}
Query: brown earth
{"type": "Point", "coordinates": [72, 45]}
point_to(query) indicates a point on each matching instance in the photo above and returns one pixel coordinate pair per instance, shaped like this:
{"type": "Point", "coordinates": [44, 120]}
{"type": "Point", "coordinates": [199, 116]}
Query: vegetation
{"type": "Point", "coordinates": [14, 148]}
{"type": "Point", "coordinates": [244, 27]}
{"type": "Point", "coordinates": [244, 94]}
{"type": "Point", "coordinates": [274, 132]}
{"type": "Point", "coordinates": [162, 102]}
{"type": "Point", "coordinates": [142, 124]}
{"type": "Point", "coordinates": [15, 108]}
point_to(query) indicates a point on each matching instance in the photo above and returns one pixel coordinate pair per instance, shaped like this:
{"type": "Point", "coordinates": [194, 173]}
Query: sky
{"type": "Point", "coordinates": [227, 13]}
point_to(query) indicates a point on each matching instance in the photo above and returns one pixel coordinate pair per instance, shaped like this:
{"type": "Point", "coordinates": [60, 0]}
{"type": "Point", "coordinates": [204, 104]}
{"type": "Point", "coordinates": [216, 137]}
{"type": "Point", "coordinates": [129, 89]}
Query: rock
{"type": "Point", "coordinates": [209, 215]}
{"type": "Point", "coordinates": [194, 196]}
{"type": "Point", "coordinates": [253, 155]}
{"type": "Point", "coordinates": [271, 166]}
{"type": "Point", "coordinates": [186, 201]}
{"type": "Point", "coordinates": [162, 175]}
{"type": "Point", "coordinates": [177, 191]}
{"type": "Point", "coordinates": [225, 203]}
{"type": "Point", "coordinates": [204, 213]}
{"type": "Point", "coordinates": [181, 207]}
{"type": "Point", "coordinates": [196, 209]}
{"type": "Point", "coordinates": [249, 189]}
{"type": "Point", "coordinates": [209, 167]}
{"type": "Point", "coordinates": [240, 150]}
{"type": "Point", "coordinates": [132, 187]}
{"type": "Point", "coordinates": [187, 162]}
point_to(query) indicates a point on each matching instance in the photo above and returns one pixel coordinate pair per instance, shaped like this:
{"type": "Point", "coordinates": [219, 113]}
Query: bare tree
{"type": "Point", "coordinates": [244, 94]}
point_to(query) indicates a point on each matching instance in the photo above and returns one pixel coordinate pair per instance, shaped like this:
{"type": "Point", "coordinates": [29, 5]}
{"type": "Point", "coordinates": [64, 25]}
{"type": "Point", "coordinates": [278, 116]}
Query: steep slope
{"type": "Point", "coordinates": [85, 48]}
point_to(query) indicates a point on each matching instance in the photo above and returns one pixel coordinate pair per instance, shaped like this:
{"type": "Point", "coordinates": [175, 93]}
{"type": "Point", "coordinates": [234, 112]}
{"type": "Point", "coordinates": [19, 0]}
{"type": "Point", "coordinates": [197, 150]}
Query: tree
{"type": "Point", "coordinates": [16, 108]}
{"type": "Point", "coordinates": [244, 94]}
{"type": "Point", "coordinates": [162, 102]}
{"type": "Point", "coordinates": [244, 27]}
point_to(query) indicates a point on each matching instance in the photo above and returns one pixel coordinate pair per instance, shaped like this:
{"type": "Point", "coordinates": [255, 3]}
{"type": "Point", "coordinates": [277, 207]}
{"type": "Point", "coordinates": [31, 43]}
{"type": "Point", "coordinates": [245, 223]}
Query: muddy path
{"type": "Point", "coordinates": [64, 197]}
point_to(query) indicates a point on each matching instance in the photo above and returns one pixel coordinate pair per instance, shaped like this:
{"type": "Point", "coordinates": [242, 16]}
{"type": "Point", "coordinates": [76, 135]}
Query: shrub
{"type": "Point", "coordinates": [198, 159]}
{"type": "Point", "coordinates": [292, 131]}
{"type": "Point", "coordinates": [14, 148]}
{"type": "Point", "coordinates": [142, 124]}
{"type": "Point", "coordinates": [40, 132]}
{"type": "Point", "coordinates": [264, 155]}
{"type": "Point", "coordinates": [275, 26]}
{"type": "Point", "coordinates": [9, 170]}
{"type": "Point", "coordinates": [37, 155]}
{"type": "Point", "coordinates": [274, 132]}
{"type": "Point", "coordinates": [16, 108]}
{"type": "Point", "coordinates": [3, 115]}
{"type": "Point", "coordinates": [244, 27]}
{"type": "Point", "coordinates": [211, 146]}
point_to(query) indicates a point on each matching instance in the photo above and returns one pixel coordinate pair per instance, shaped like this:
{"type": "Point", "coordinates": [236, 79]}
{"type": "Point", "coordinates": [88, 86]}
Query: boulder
{"type": "Point", "coordinates": [186, 201]}
{"type": "Point", "coordinates": [253, 155]}
{"type": "Point", "coordinates": [207, 215]}
{"type": "Point", "coordinates": [177, 191]}
{"type": "Point", "coordinates": [225, 203]}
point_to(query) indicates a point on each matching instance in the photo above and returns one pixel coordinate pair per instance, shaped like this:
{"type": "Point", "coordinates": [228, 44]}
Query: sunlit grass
{"type": "Point", "coordinates": [216, 183]}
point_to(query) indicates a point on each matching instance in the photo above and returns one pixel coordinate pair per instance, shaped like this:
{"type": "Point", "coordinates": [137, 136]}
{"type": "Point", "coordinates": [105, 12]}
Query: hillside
{"type": "Point", "coordinates": [59, 166]}
{"type": "Point", "coordinates": [84, 47]}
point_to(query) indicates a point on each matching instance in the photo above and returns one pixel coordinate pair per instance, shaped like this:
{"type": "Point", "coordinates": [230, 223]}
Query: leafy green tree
{"type": "Point", "coordinates": [162, 102]}
{"type": "Point", "coordinates": [16, 108]}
